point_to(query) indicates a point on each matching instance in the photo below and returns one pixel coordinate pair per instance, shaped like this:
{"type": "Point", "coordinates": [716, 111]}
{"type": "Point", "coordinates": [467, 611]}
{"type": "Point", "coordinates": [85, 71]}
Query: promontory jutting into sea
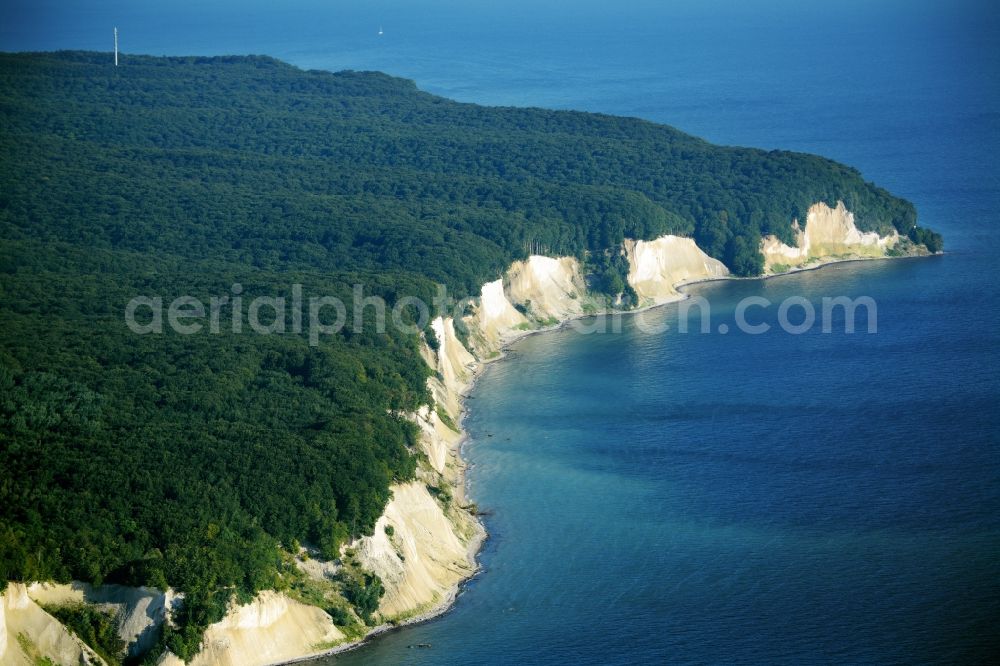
{"type": "Point", "coordinates": [458, 334]}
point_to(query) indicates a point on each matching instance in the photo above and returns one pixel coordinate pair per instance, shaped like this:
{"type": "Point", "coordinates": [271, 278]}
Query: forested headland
{"type": "Point", "coordinates": [194, 461]}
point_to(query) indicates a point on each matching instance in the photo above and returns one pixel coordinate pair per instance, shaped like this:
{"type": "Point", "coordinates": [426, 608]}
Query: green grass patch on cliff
{"type": "Point", "coordinates": [31, 651]}
{"type": "Point", "coordinates": [445, 418]}
{"type": "Point", "coordinates": [95, 627]}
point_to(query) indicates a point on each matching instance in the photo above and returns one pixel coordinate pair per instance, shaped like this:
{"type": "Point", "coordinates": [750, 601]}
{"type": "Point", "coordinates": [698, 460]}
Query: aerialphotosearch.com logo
{"type": "Point", "coordinates": [319, 316]}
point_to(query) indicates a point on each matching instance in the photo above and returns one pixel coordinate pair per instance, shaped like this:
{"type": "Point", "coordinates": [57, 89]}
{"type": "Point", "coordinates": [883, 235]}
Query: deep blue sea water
{"type": "Point", "coordinates": [720, 498]}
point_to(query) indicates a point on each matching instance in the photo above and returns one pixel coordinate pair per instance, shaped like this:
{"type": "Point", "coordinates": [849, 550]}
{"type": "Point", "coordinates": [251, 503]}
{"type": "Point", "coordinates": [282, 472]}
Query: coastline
{"type": "Point", "coordinates": [438, 529]}
{"type": "Point", "coordinates": [502, 352]}
{"type": "Point", "coordinates": [659, 270]}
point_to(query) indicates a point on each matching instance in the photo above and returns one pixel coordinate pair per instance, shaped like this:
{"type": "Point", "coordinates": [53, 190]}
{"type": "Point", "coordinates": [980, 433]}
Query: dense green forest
{"type": "Point", "coordinates": [189, 460]}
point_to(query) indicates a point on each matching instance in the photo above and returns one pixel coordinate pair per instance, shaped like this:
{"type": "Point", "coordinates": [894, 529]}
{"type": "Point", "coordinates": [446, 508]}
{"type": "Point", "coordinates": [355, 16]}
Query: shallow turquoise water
{"type": "Point", "coordinates": [711, 498]}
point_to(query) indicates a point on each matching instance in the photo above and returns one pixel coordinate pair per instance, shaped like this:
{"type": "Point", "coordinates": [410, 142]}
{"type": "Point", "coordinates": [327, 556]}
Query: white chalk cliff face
{"type": "Point", "coordinates": [829, 233]}
{"type": "Point", "coordinates": [22, 619]}
{"type": "Point", "coordinates": [656, 267]}
{"type": "Point", "coordinates": [140, 611]}
{"type": "Point", "coordinates": [453, 363]}
{"type": "Point", "coordinates": [424, 559]}
{"type": "Point", "coordinates": [437, 440]}
{"type": "Point", "coordinates": [495, 318]}
{"type": "Point", "coordinates": [550, 289]}
{"type": "Point", "coordinates": [271, 629]}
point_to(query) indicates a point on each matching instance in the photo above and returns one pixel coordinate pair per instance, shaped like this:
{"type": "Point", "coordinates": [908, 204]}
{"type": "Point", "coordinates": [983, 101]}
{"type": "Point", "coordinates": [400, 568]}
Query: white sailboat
{"type": "Point", "coordinates": [380, 31]}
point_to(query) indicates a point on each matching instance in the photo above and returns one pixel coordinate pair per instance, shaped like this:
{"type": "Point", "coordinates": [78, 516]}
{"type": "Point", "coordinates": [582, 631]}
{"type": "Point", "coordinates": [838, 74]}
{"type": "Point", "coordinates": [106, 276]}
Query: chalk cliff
{"type": "Point", "coordinates": [494, 318]}
{"type": "Point", "coordinates": [829, 233]}
{"type": "Point", "coordinates": [548, 289]}
{"type": "Point", "coordinates": [656, 267]}
{"type": "Point", "coordinates": [140, 611]}
{"type": "Point", "coordinates": [271, 629]}
{"type": "Point", "coordinates": [28, 634]}
{"type": "Point", "coordinates": [426, 555]}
